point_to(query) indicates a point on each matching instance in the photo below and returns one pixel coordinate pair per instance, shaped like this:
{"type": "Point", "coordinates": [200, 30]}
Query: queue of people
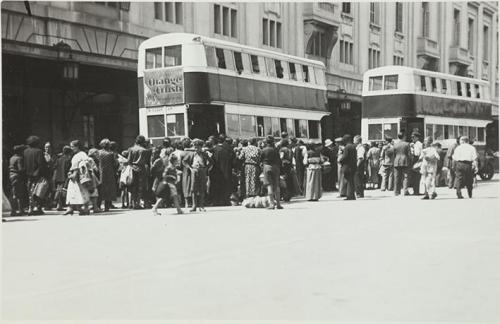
{"type": "Point", "coordinates": [221, 171]}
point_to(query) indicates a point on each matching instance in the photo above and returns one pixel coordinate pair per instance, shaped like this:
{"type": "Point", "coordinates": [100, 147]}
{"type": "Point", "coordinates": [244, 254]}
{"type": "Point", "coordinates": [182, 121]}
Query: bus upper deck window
{"type": "Point", "coordinates": [423, 85]}
{"type": "Point", "coordinates": [391, 82]}
{"type": "Point", "coordinates": [293, 74]}
{"type": "Point", "coordinates": [238, 61]}
{"type": "Point", "coordinates": [172, 56]}
{"type": "Point", "coordinates": [279, 69]}
{"type": "Point", "coordinates": [210, 54]}
{"type": "Point", "coordinates": [444, 86]}
{"type": "Point", "coordinates": [468, 89]}
{"type": "Point", "coordinates": [305, 70]}
{"type": "Point", "coordinates": [476, 87]}
{"type": "Point", "coordinates": [459, 88]}
{"type": "Point", "coordinates": [153, 58]}
{"type": "Point", "coordinates": [255, 63]}
{"type": "Point", "coordinates": [375, 83]}
{"type": "Point", "coordinates": [221, 61]}
{"type": "Point", "coordinates": [433, 85]}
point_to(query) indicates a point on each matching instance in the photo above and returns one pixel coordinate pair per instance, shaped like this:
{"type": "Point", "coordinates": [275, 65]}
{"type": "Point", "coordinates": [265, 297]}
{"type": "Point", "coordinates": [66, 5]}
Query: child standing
{"type": "Point", "coordinates": [167, 187]}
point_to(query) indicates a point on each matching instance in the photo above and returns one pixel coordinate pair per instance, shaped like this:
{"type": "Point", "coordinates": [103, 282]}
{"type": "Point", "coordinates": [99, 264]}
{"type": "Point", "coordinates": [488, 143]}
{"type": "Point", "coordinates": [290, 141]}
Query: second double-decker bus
{"type": "Point", "coordinates": [442, 106]}
{"type": "Point", "coordinates": [196, 86]}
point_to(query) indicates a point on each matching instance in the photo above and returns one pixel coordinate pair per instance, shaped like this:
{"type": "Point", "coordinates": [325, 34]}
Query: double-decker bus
{"type": "Point", "coordinates": [443, 106]}
{"type": "Point", "coordinates": [194, 86]}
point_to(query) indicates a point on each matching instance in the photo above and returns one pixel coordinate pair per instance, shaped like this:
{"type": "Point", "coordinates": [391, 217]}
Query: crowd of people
{"type": "Point", "coordinates": [220, 171]}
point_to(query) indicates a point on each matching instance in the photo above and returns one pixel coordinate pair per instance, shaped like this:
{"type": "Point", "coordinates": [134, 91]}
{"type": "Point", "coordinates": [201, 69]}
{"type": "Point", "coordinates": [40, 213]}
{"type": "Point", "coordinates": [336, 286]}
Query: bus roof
{"type": "Point", "coordinates": [183, 38]}
{"type": "Point", "coordinates": [398, 69]}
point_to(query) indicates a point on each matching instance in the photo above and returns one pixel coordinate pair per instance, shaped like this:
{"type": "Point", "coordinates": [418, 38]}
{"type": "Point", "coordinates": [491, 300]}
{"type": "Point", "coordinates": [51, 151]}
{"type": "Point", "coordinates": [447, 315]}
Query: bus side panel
{"type": "Point", "coordinates": [245, 91]}
{"type": "Point", "coordinates": [311, 99]}
{"type": "Point", "coordinates": [285, 95]}
{"type": "Point", "coordinates": [214, 87]}
{"type": "Point", "coordinates": [273, 95]}
{"type": "Point", "coordinates": [228, 88]}
{"type": "Point", "coordinates": [436, 106]}
{"type": "Point", "coordinates": [140, 91]}
{"type": "Point", "coordinates": [261, 90]}
{"type": "Point", "coordinates": [401, 105]}
{"type": "Point", "coordinates": [299, 96]}
{"type": "Point", "coordinates": [196, 87]}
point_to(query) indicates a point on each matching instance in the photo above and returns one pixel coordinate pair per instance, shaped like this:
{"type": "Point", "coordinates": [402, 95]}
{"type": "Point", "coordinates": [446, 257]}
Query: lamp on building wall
{"type": "Point", "coordinates": [70, 68]}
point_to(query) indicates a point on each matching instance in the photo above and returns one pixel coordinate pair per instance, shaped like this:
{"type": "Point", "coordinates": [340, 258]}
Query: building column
{"type": "Point", "coordinates": [479, 44]}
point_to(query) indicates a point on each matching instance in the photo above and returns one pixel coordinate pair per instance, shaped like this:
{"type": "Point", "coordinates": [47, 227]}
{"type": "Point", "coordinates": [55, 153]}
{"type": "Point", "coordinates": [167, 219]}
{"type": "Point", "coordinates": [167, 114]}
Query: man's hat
{"type": "Point", "coordinates": [416, 134]}
{"type": "Point", "coordinates": [338, 139]}
{"type": "Point", "coordinates": [328, 142]}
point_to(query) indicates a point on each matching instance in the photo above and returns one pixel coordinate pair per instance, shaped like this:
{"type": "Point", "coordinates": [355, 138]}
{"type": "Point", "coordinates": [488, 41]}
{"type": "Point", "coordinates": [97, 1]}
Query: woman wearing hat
{"type": "Point", "coordinates": [313, 179]}
{"type": "Point", "coordinates": [108, 165]}
{"type": "Point", "coordinates": [77, 195]}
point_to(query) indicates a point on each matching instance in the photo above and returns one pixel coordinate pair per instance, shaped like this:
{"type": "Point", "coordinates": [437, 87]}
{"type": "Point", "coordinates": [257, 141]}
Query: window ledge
{"type": "Point", "coordinates": [399, 35]}
{"type": "Point", "coordinates": [375, 27]}
{"type": "Point", "coordinates": [347, 17]}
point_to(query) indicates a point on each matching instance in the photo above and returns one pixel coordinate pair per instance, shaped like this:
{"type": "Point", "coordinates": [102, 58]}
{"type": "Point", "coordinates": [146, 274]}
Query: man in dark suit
{"type": "Point", "coordinates": [348, 160]}
{"type": "Point", "coordinates": [401, 164]}
{"type": "Point", "coordinates": [222, 171]}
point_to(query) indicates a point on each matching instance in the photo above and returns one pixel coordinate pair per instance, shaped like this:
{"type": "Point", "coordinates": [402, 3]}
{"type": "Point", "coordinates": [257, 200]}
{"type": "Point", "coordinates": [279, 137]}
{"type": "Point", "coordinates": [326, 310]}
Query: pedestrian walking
{"type": "Point", "coordinates": [402, 160]}
{"type": "Point", "coordinates": [78, 195]}
{"type": "Point", "coordinates": [359, 177]}
{"type": "Point", "coordinates": [387, 160]}
{"type": "Point", "coordinates": [36, 170]}
{"type": "Point", "coordinates": [450, 164]}
{"type": "Point", "coordinates": [312, 160]}
{"type": "Point", "coordinates": [465, 157]}
{"type": "Point", "coordinates": [17, 178]}
{"type": "Point", "coordinates": [429, 158]}
{"type": "Point", "coordinates": [167, 189]}
{"type": "Point", "coordinates": [108, 166]}
{"type": "Point", "coordinates": [61, 169]}
{"type": "Point", "coordinates": [348, 161]}
{"type": "Point", "coordinates": [271, 170]}
{"type": "Point", "coordinates": [250, 155]}
{"type": "Point", "coordinates": [198, 163]}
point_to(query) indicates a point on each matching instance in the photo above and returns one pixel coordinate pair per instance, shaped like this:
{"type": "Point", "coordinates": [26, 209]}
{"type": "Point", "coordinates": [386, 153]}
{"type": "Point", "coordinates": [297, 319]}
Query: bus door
{"type": "Point", "coordinates": [205, 120]}
{"type": "Point", "coordinates": [408, 125]}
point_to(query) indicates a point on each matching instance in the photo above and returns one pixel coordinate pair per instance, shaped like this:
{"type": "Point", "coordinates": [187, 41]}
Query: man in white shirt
{"type": "Point", "coordinates": [465, 157]}
{"type": "Point", "coordinates": [416, 150]}
{"type": "Point", "coordinates": [359, 177]}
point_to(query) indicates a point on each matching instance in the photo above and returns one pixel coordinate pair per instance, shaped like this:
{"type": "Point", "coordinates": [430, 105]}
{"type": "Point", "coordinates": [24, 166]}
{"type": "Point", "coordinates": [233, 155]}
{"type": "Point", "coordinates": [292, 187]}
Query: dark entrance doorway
{"type": "Point", "coordinates": [205, 120]}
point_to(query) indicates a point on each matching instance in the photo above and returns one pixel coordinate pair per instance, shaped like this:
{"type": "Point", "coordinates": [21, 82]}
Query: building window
{"type": "Point", "coordinates": [225, 21]}
{"type": "Point", "coordinates": [399, 17]}
{"type": "Point", "coordinates": [271, 33]}
{"type": "Point", "coordinates": [373, 58]}
{"type": "Point", "coordinates": [317, 45]}
{"type": "Point", "coordinates": [169, 11]}
{"type": "Point", "coordinates": [346, 7]}
{"type": "Point", "coordinates": [425, 19]}
{"type": "Point", "coordinates": [486, 47]}
{"type": "Point", "coordinates": [456, 27]}
{"type": "Point", "coordinates": [398, 60]}
{"type": "Point", "coordinates": [374, 13]}
{"type": "Point", "coordinates": [470, 37]}
{"type": "Point", "coordinates": [346, 52]}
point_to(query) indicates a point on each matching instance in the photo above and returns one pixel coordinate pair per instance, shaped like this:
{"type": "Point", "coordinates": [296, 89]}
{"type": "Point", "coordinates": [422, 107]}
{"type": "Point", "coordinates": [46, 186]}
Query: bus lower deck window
{"type": "Point", "coordinates": [283, 125]}
{"type": "Point", "coordinates": [375, 131]}
{"type": "Point", "coordinates": [313, 129]}
{"type": "Point", "coordinates": [480, 134]}
{"type": "Point", "coordinates": [260, 127]}
{"type": "Point", "coordinates": [156, 126]}
{"type": "Point", "coordinates": [175, 125]}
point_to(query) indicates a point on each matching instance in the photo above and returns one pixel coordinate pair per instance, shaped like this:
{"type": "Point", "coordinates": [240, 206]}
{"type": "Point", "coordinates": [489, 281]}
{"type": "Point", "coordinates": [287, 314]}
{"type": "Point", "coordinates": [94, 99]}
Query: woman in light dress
{"type": "Point", "coordinates": [77, 195]}
{"type": "Point", "coordinates": [313, 179]}
{"type": "Point", "coordinates": [428, 169]}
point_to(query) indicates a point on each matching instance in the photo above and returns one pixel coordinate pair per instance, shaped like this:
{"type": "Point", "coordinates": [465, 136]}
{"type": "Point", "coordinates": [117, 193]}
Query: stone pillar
{"type": "Point", "coordinates": [480, 40]}
{"type": "Point", "coordinates": [363, 40]}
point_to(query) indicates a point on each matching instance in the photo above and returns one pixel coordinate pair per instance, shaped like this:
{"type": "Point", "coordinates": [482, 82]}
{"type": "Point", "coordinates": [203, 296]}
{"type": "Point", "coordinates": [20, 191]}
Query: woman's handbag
{"type": "Point", "coordinates": [41, 188]}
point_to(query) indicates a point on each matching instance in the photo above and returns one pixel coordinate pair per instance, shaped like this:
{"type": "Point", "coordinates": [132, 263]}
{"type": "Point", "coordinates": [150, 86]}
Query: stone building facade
{"type": "Point", "coordinates": [69, 68]}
